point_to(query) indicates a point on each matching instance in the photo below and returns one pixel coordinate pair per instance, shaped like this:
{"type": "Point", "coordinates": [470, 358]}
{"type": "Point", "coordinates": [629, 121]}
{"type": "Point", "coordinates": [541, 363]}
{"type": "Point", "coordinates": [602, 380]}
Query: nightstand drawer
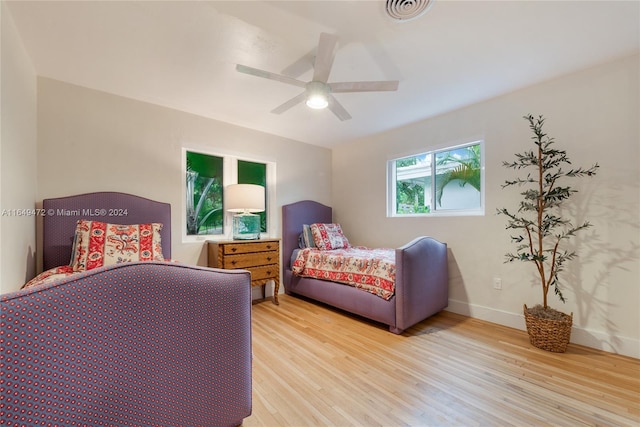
{"type": "Point", "coordinates": [267, 272]}
{"type": "Point", "coordinates": [250, 260]}
{"type": "Point", "coordinates": [260, 257]}
{"type": "Point", "coordinates": [244, 248]}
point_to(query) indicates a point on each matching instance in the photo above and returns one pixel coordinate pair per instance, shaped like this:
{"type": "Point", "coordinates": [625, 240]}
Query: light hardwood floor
{"type": "Point", "coordinates": [316, 366]}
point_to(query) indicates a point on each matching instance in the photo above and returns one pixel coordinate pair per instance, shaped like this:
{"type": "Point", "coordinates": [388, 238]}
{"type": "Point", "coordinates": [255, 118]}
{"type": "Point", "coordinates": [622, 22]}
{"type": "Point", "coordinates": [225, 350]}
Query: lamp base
{"type": "Point", "coordinates": [246, 226]}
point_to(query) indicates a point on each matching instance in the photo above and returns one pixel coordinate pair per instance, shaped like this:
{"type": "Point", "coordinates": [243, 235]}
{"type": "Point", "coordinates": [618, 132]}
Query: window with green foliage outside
{"type": "Point", "coordinates": [254, 173]}
{"type": "Point", "coordinates": [206, 178]}
{"type": "Point", "coordinates": [204, 194]}
{"type": "Point", "coordinates": [447, 181]}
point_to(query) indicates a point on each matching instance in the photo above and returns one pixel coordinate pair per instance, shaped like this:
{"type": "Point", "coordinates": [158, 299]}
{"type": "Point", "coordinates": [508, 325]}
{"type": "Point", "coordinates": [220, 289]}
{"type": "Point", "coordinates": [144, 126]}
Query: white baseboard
{"type": "Point", "coordinates": [595, 339]}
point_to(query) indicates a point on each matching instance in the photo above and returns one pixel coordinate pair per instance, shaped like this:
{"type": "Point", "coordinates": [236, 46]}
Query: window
{"type": "Point", "coordinates": [446, 181]}
{"type": "Point", "coordinates": [254, 173]}
{"type": "Point", "coordinates": [206, 176]}
{"type": "Point", "coordinates": [204, 182]}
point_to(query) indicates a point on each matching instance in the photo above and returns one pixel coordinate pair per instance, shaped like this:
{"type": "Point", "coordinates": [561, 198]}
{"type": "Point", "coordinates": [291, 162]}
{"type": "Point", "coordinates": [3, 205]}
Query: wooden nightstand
{"type": "Point", "coordinates": [260, 257]}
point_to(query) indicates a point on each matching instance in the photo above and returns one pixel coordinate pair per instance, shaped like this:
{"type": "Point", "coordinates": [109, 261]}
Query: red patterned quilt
{"type": "Point", "coordinates": [58, 273]}
{"type": "Point", "coordinates": [372, 270]}
{"type": "Point", "coordinates": [49, 276]}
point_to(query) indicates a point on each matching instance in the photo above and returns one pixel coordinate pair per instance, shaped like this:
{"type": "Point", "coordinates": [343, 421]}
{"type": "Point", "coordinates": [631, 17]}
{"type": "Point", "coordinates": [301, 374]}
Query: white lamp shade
{"type": "Point", "coordinates": [244, 198]}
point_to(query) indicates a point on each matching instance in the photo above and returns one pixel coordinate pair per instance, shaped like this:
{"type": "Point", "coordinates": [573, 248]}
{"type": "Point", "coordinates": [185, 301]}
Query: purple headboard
{"type": "Point", "coordinates": [294, 216]}
{"type": "Point", "coordinates": [61, 215]}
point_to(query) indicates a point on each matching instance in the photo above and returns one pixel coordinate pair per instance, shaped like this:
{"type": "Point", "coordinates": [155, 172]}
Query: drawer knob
{"type": "Point", "coordinates": [268, 246]}
{"type": "Point", "coordinates": [233, 262]}
{"type": "Point", "coordinates": [234, 249]}
{"type": "Point", "coordinates": [268, 258]}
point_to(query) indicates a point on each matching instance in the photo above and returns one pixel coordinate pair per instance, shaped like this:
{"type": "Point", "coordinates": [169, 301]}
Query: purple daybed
{"type": "Point", "coordinates": [131, 344]}
{"type": "Point", "coordinates": [421, 287]}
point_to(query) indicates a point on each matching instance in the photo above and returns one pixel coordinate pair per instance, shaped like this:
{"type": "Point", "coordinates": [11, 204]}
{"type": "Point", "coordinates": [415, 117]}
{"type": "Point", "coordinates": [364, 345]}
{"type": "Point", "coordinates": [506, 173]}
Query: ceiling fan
{"type": "Point", "coordinates": [318, 93]}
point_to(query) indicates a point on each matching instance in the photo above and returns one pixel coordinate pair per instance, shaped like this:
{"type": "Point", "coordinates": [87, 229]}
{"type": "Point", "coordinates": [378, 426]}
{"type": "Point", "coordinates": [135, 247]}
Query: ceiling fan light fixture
{"type": "Point", "coordinates": [317, 97]}
{"type": "Point", "coordinates": [318, 94]}
{"type": "Point", "coordinates": [317, 102]}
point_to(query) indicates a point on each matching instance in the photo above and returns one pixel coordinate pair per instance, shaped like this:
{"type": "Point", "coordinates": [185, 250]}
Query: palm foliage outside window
{"type": "Point", "coordinates": [442, 181]}
{"type": "Point", "coordinates": [461, 165]}
{"type": "Point", "coordinates": [204, 194]}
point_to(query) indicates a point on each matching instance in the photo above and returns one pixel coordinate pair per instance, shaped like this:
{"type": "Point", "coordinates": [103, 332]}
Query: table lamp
{"type": "Point", "coordinates": [244, 200]}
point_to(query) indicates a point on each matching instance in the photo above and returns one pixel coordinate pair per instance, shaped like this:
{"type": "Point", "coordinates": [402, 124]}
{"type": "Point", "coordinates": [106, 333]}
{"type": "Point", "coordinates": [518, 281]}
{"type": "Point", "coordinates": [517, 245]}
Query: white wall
{"type": "Point", "coordinates": [93, 141]}
{"type": "Point", "coordinates": [18, 173]}
{"type": "Point", "coordinates": [593, 114]}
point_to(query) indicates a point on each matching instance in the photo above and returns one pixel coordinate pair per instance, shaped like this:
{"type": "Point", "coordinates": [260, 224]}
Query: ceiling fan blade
{"type": "Point", "coordinates": [290, 103]}
{"type": "Point", "coordinates": [337, 109]}
{"type": "Point", "coordinates": [267, 75]}
{"type": "Point", "coordinates": [300, 66]}
{"type": "Point", "coordinates": [324, 57]}
{"type": "Point", "coordinates": [380, 86]}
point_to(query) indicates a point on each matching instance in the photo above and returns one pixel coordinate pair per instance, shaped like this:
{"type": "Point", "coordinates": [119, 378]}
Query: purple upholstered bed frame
{"type": "Point", "coordinates": [131, 344]}
{"type": "Point", "coordinates": [422, 281]}
{"type": "Point", "coordinates": [62, 214]}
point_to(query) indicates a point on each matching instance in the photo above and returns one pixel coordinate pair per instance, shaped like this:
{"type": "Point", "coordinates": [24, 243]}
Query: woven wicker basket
{"type": "Point", "coordinates": [549, 334]}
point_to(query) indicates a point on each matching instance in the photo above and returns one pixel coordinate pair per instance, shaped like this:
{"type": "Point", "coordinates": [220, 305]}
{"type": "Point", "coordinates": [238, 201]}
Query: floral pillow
{"type": "Point", "coordinates": [99, 243]}
{"type": "Point", "coordinates": [329, 236]}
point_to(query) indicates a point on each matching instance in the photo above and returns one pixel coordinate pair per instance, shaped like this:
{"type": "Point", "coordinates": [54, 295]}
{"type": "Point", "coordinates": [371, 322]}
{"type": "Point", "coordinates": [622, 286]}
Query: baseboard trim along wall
{"type": "Point", "coordinates": [595, 339]}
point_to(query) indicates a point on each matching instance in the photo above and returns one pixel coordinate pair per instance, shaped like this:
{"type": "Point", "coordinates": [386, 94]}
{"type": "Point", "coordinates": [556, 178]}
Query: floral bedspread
{"type": "Point", "coordinates": [372, 270]}
{"type": "Point", "coordinates": [60, 272]}
{"type": "Point", "coordinates": [49, 276]}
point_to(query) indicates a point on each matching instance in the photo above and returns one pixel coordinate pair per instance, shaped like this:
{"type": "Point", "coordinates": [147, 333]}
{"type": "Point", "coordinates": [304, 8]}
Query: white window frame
{"type": "Point", "coordinates": [391, 183]}
{"type": "Point", "coordinates": [230, 176]}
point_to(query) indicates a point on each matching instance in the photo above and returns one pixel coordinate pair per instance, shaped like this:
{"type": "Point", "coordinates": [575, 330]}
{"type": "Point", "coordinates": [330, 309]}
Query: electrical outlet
{"type": "Point", "coordinates": [497, 283]}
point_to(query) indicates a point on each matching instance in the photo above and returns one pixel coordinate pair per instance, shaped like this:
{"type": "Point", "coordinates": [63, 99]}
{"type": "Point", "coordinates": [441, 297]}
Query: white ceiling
{"type": "Point", "coordinates": [182, 54]}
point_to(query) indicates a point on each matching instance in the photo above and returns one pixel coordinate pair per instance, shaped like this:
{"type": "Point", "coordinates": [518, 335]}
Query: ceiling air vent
{"type": "Point", "coordinates": [406, 10]}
